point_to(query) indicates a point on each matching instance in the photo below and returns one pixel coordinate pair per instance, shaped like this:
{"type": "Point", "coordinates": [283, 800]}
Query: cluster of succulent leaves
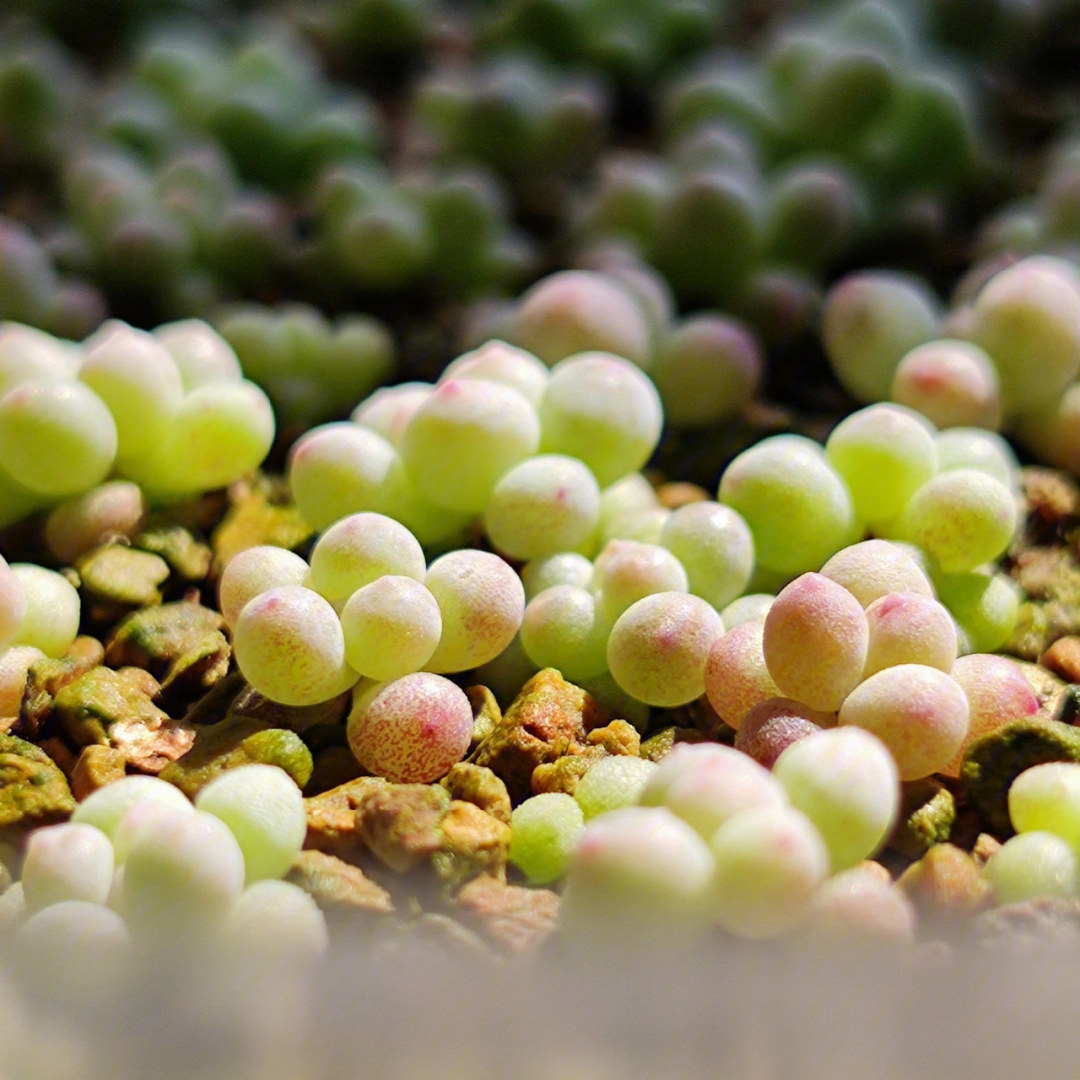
{"type": "Point", "coordinates": [406, 157]}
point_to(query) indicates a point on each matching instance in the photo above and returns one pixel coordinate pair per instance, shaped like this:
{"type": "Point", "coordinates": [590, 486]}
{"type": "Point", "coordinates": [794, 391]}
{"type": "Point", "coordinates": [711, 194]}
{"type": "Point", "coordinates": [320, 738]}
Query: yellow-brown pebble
{"type": "Point", "coordinates": [1063, 658]}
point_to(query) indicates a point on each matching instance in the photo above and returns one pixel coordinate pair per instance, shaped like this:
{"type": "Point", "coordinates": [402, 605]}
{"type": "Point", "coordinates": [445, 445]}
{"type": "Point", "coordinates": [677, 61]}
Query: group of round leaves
{"type": "Point", "coordinates": [787, 505]}
{"type": "Point", "coordinates": [841, 686]}
{"type": "Point", "coordinates": [708, 833]}
{"type": "Point", "coordinates": [499, 436]}
{"type": "Point", "coordinates": [369, 615]}
{"type": "Point", "coordinates": [139, 861]}
{"type": "Point", "coordinates": [1008, 353]}
{"type": "Point", "coordinates": [646, 612]}
{"type": "Point", "coordinates": [884, 470]}
{"type": "Point", "coordinates": [863, 643]}
{"type": "Point", "coordinates": [170, 410]}
{"type": "Point", "coordinates": [706, 367]}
